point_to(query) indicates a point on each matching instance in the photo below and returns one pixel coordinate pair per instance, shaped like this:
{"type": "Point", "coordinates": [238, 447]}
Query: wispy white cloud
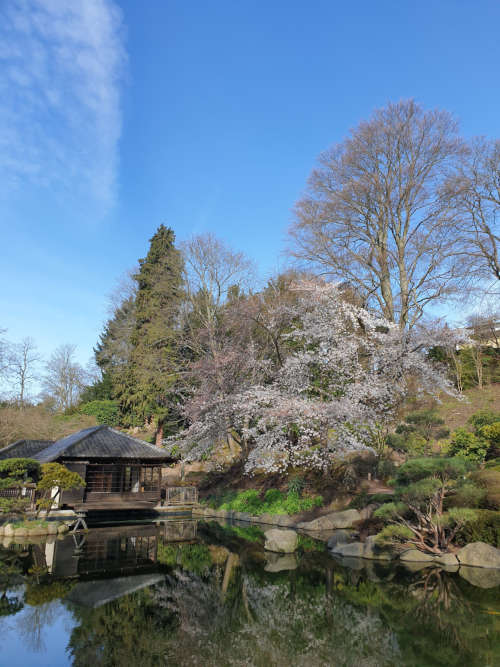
{"type": "Point", "coordinates": [61, 67]}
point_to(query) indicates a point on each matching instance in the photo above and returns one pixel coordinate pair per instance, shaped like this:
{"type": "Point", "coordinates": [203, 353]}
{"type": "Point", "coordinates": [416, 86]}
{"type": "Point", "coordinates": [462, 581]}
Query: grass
{"type": "Point", "coordinates": [274, 501]}
{"type": "Point", "coordinates": [456, 413]}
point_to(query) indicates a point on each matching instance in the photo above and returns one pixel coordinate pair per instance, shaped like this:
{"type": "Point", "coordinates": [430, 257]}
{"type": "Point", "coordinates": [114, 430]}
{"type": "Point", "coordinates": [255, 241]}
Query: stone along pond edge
{"type": "Point", "coordinates": [475, 554]}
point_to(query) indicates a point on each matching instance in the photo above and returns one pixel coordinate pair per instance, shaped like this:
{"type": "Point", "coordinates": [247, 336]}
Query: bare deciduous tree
{"type": "Point", "coordinates": [215, 276]}
{"type": "Point", "coordinates": [64, 377]}
{"type": "Point", "coordinates": [23, 367]}
{"type": "Point", "coordinates": [375, 213]}
{"type": "Point", "coordinates": [476, 189]}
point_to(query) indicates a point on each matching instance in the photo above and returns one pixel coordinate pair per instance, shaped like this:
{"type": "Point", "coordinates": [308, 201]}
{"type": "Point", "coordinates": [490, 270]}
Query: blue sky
{"type": "Point", "coordinates": [206, 116]}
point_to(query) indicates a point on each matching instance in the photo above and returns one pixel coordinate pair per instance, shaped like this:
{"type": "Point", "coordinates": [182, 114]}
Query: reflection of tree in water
{"type": "Point", "coordinates": [132, 630]}
{"type": "Point", "coordinates": [11, 568]}
{"type": "Point", "coordinates": [437, 617]}
{"type": "Point", "coordinates": [218, 605]}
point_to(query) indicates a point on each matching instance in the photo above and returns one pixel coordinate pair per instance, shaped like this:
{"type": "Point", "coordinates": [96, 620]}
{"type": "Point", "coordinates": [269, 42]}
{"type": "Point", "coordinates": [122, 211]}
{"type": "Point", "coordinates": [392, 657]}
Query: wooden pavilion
{"type": "Point", "coordinates": [120, 472]}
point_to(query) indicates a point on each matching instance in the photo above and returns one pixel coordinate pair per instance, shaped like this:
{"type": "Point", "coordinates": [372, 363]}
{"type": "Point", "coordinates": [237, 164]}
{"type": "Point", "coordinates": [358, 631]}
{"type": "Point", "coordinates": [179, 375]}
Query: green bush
{"type": "Point", "coordinates": [15, 471]}
{"type": "Point", "coordinates": [468, 445]}
{"type": "Point", "coordinates": [274, 502]}
{"type": "Point", "coordinates": [273, 496]}
{"type": "Point", "coordinates": [484, 528]}
{"type": "Point", "coordinates": [483, 418]}
{"type": "Point", "coordinates": [441, 468]}
{"type": "Point", "coordinates": [491, 433]}
{"type": "Point", "coordinates": [468, 494]}
{"type": "Point", "coordinates": [106, 411]}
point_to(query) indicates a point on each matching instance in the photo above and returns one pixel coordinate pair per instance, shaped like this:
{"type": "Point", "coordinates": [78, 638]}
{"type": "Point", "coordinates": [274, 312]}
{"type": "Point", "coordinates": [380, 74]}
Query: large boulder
{"type": "Point", "coordinates": [480, 576]}
{"type": "Point", "coordinates": [284, 520]}
{"type": "Point", "coordinates": [281, 541]}
{"type": "Point", "coordinates": [341, 536]}
{"type": "Point", "coordinates": [354, 549]}
{"type": "Point", "coordinates": [479, 554]}
{"type": "Point", "coordinates": [332, 521]}
{"type": "Point", "coordinates": [449, 560]}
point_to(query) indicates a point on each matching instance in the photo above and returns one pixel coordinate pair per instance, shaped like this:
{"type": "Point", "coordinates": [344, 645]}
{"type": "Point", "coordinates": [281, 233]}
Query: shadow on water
{"type": "Point", "coordinates": [183, 592]}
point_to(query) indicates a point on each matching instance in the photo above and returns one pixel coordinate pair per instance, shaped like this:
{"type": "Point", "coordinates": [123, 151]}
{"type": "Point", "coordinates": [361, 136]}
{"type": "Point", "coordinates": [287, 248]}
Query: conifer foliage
{"type": "Point", "coordinates": [140, 344]}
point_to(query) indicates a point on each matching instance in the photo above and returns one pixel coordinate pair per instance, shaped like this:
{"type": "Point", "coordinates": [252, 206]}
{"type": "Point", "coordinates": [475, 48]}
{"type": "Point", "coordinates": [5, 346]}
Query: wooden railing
{"type": "Point", "coordinates": [181, 495]}
{"type": "Point", "coordinates": [27, 492]}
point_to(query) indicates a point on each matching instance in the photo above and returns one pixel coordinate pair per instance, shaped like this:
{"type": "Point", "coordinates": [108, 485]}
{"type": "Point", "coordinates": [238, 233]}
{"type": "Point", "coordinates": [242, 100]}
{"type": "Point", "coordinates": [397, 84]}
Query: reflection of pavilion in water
{"type": "Point", "coordinates": [114, 550]}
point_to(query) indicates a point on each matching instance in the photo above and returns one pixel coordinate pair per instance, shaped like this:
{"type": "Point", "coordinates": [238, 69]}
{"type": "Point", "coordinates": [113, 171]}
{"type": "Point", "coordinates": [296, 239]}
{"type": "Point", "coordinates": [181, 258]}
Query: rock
{"type": "Point", "coordinates": [241, 516]}
{"type": "Point", "coordinates": [416, 556]}
{"type": "Point", "coordinates": [198, 511]}
{"type": "Point", "coordinates": [373, 551]}
{"type": "Point", "coordinates": [63, 528]}
{"type": "Point", "coordinates": [20, 532]}
{"type": "Point", "coordinates": [367, 511]}
{"type": "Point", "coordinates": [8, 530]}
{"type": "Point", "coordinates": [479, 554]}
{"type": "Point", "coordinates": [278, 563]}
{"type": "Point", "coordinates": [332, 521]}
{"type": "Point", "coordinates": [1, 530]}
{"type": "Point", "coordinates": [355, 549]}
{"type": "Point", "coordinates": [341, 537]}
{"type": "Point", "coordinates": [281, 541]}
{"type": "Point", "coordinates": [446, 559]}
{"type": "Point", "coordinates": [37, 530]}
{"type": "Point", "coordinates": [284, 520]}
{"type": "Point", "coordinates": [480, 576]}
{"type": "Point", "coordinates": [267, 518]}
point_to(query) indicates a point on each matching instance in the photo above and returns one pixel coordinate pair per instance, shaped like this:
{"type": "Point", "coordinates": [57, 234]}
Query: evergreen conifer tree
{"type": "Point", "coordinates": [149, 388]}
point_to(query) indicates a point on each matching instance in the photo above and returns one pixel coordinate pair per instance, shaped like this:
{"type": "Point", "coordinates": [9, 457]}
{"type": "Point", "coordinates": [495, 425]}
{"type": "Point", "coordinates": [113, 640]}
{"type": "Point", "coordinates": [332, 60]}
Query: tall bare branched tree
{"type": "Point", "coordinates": [64, 377]}
{"type": "Point", "coordinates": [476, 189]}
{"type": "Point", "coordinates": [375, 213]}
{"type": "Point", "coordinates": [23, 362]}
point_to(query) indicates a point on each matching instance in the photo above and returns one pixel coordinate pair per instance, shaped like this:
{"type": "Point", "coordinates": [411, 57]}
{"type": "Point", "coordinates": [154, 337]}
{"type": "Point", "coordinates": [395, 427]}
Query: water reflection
{"type": "Point", "coordinates": [177, 593]}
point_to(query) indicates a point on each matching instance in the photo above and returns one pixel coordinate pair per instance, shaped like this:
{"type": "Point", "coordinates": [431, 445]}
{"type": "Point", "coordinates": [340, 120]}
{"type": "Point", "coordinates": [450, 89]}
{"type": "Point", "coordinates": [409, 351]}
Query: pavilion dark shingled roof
{"type": "Point", "coordinates": [100, 442]}
{"type": "Point", "coordinates": [24, 449]}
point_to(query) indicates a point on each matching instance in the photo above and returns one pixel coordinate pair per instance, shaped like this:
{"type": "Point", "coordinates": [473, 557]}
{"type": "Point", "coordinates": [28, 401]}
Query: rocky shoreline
{"type": "Point", "coordinates": [342, 542]}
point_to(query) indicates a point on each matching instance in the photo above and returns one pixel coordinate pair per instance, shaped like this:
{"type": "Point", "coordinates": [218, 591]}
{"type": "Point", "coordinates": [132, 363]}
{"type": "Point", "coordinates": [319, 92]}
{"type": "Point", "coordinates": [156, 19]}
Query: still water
{"type": "Point", "coordinates": [191, 593]}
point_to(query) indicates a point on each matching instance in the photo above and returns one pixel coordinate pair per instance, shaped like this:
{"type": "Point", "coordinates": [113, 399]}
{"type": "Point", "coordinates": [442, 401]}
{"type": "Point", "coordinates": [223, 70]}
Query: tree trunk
{"type": "Point", "coordinates": [159, 434]}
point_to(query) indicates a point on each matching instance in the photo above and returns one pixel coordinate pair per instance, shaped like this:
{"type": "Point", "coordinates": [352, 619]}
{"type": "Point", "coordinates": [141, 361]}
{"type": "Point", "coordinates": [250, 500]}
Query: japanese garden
{"type": "Point", "coordinates": [282, 467]}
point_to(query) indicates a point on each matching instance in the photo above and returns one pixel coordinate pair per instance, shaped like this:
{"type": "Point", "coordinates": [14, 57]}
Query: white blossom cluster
{"type": "Point", "coordinates": [346, 372]}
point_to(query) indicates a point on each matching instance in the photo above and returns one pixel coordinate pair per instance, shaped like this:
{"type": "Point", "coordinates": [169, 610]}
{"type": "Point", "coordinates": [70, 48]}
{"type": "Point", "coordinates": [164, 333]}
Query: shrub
{"type": "Point", "coordinates": [468, 445]}
{"type": "Point", "coordinates": [106, 412]}
{"type": "Point", "coordinates": [275, 502]}
{"type": "Point", "coordinates": [491, 433]}
{"type": "Point", "coordinates": [468, 495]}
{"type": "Point", "coordinates": [273, 496]}
{"type": "Point", "coordinates": [393, 534]}
{"type": "Point", "coordinates": [296, 485]}
{"type": "Point", "coordinates": [14, 472]}
{"type": "Point", "coordinates": [483, 418]}
{"type": "Point", "coordinates": [417, 511]}
{"type": "Point", "coordinates": [485, 527]}
{"type": "Point", "coordinates": [489, 480]}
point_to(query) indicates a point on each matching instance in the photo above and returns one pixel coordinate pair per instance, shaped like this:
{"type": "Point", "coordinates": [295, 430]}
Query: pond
{"type": "Point", "coordinates": [182, 592]}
